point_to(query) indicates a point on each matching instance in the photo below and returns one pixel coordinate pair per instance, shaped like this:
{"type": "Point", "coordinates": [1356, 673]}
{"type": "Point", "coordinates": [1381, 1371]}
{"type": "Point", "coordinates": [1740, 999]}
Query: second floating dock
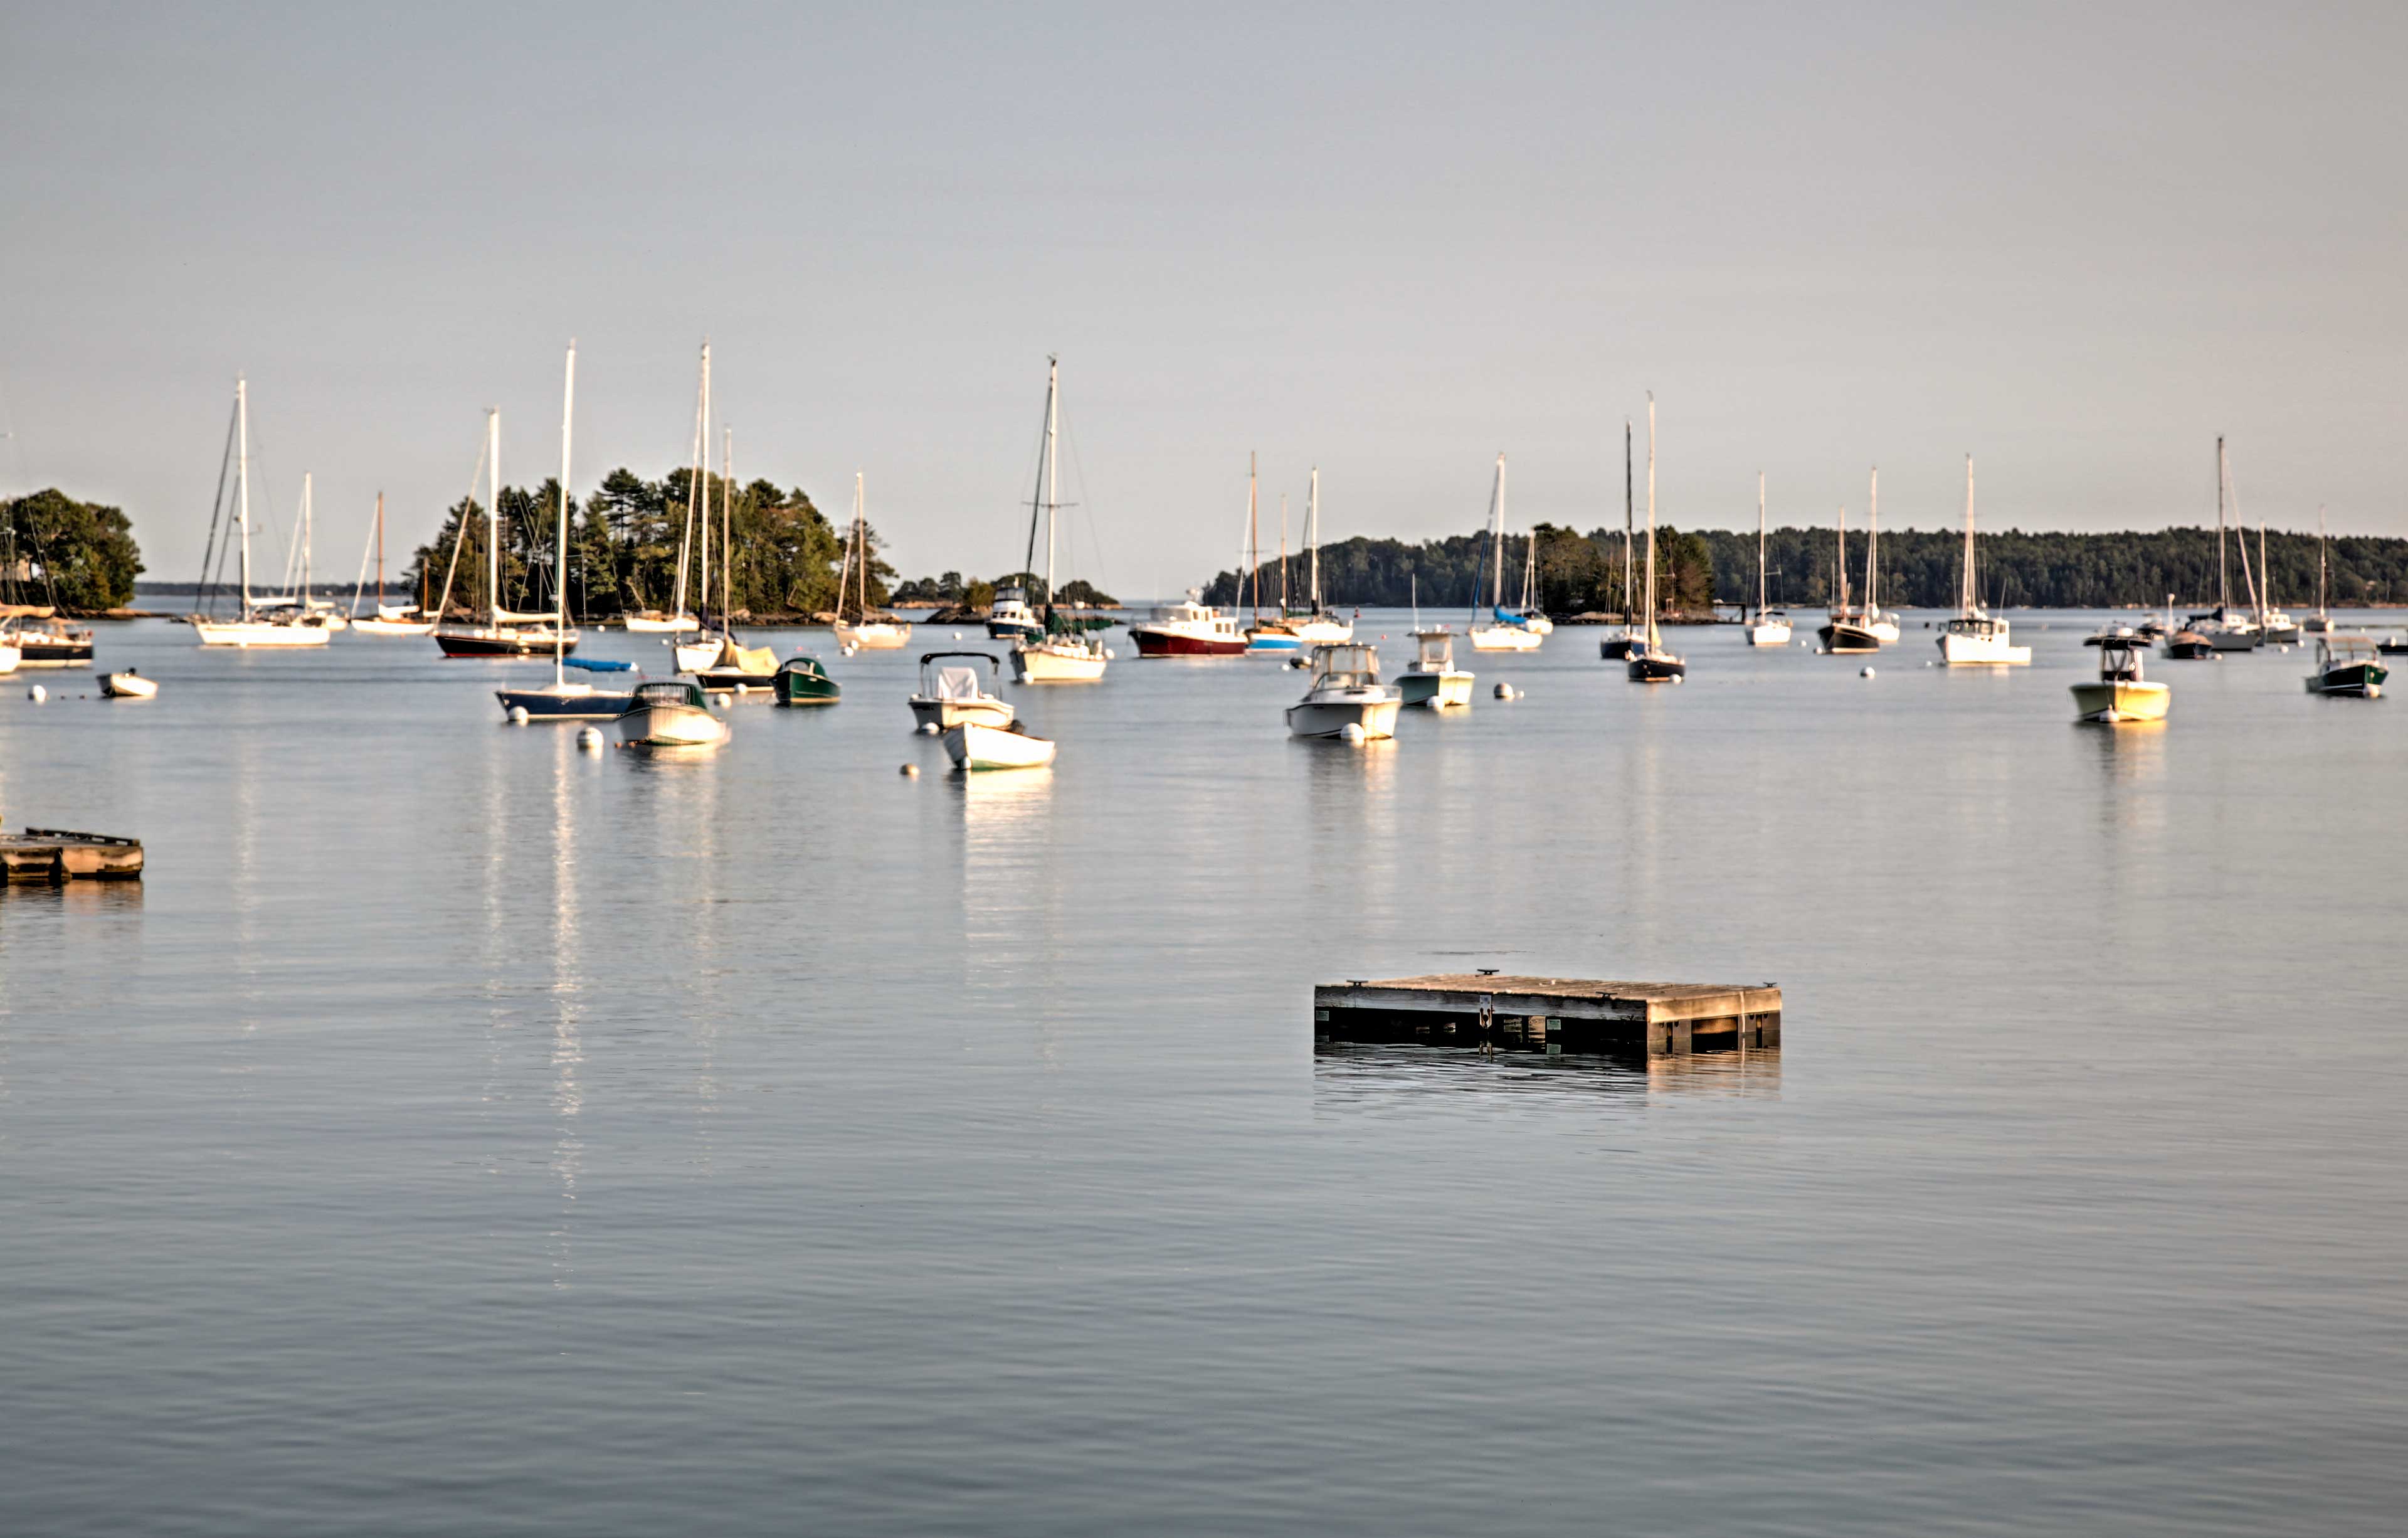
{"type": "Point", "coordinates": [1549, 1014]}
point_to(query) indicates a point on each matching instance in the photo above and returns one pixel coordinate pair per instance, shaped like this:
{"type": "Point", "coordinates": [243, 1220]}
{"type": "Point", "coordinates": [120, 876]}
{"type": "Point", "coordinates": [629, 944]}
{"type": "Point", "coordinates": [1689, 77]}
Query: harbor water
{"type": "Point", "coordinates": [459, 1133]}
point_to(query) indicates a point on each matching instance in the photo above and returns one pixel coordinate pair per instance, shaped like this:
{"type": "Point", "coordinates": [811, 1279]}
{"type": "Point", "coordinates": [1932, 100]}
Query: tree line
{"type": "Point", "coordinates": [59, 553]}
{"type": "Point", "coordinates": [1574, 573]}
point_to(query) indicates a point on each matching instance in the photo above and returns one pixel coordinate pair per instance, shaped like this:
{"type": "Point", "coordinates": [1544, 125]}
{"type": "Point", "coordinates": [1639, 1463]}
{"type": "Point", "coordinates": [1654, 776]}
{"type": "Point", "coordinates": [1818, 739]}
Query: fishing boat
{"type": "Point", "coordinates": [1848, 630]}
{"type": "Point", "coordinates": [389, 619]}
{"type": "Point", "coordinates": [670, 712]}
{"type": "Point", "coordinates": [128, 685]}
{"type": "Point", "coordinates": [45, 640]}
{"type": "Point", "coordinates": [562, 699]}
{"type": "Point", "coordinates": [950, 696]}
{"type": "Point", "coordinates": [1975, 637]}
{"type": "Point", "coordinates": [1056, 652]}
{"type": "Point", "coordinates": [1346, 692]}
{"type": "Point", "coordinates": [977, 747]}
{"type": "Point", "coordinates": [1502, 630]}
{"type": "Point", "coordinates": [802, 681]}
{"type": "Point", "coordinates": [1634, 636]}
{"type": "Point", "coordinates": [1652, 663]}
{"type": "Point", "coordinates": [1188, 629]}
{"type": "Point", "coordinates": [1012, 618]}
{"type": "Point", "coordinates": [502, 633]}
{"type": "Point", "coordinates": [864, 630]}
{"type": "Point", "coordinates": [2121, 692]}
{"type": "Point", "coordinates": [268, 622]}
{"type": "Point", "coordinates": [2348, 666]}
{"type": "Point", "coordinates": [1772, 626]}
{"type": "Point", "coordinates": [1432, 680]}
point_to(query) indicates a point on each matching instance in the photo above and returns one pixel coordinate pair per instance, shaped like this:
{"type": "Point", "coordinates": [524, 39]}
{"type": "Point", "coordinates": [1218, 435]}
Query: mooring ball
{"type": "Point", "coordinates": [518, 715]}
{"type": "Point", "coordinates": [1110, 654]}
{"type": "Point", "coordinates": [910, 771]}
{"type": "Point", "coordinates": [590, 740]}
{"type": "Point", "coordinates": [1352, 735]}
{"type": "Point", "coordinates": [957, 635]}
{"type": "Point", "coordinates": [1868, 672]}
{"type": "Point", "coordinates": [927, 728]}
{"type": "Point", "coordinates": [744, 688]}
{"type": "Point", "coordinates": [1504, 690]}
{"type": "Point", "coordinates": [717, 702]}
{"type": "Point", "coordinates": [37, 694]}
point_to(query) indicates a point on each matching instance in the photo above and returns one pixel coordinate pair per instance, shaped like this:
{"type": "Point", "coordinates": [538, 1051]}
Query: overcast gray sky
{"type": "Point", "coordinates": [2077, 240]}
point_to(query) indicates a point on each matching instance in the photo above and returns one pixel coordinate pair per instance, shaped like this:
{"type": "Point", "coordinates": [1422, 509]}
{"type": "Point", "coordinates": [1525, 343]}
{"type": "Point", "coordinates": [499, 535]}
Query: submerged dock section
{"type": "Point", "coordinates": [1549, 1014]}
{"type": "Point", "coordinates": [53, 854]}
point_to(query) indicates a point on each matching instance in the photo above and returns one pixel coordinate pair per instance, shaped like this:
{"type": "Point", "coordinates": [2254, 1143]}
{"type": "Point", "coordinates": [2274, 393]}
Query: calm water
{"type": "Point", "coordinates": [456, 1133]}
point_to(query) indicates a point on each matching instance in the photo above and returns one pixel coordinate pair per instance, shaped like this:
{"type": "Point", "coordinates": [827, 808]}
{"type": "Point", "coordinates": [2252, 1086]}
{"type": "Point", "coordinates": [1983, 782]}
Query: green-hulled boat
{"type": "Point", "coordinates": [803, 682]}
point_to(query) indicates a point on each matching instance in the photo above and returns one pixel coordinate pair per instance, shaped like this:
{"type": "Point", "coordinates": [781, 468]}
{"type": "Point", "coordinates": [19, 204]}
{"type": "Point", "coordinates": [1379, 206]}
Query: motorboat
{"type": "Point", "coordinates": [128, 685]}
{"type": "Point", "coordinates": [1502, 629]}
{"type": "Point", "coordinates": [1346, 692]}
{"type": "Point", "coordinates": [1650, 662]}
{"type": "Point", "coordinates": [670, 712]}
{"type": "Point", "coordinates": [2348, 665]}
{"type": "Point", "coordinates": [950, 696]}
{"type": "Point", "coordinates": [976, 746]}
{"type": "Point", "coordinates": [2392, 646]}
{"type": "Point", "coordinates": [802, 681]}
{"type": "Point", "coordinates": [563, 699]}
{"type": "Point", "coordinates": [1431, 679]}
{"type": "Point", "coordinates": [2121, 692]}
{"type": "Point", "coordinates": [2111, 632]}
{"type": "Point", "coordinates": [47, 642]}
{"type": "Point", "coordinates": [1011, 618]}
{"type": "Point", "coordinates": [1188, 629]}
{"type": "Point", "coordinates": [2188, 645]}
{"type": "Point", "coordinates": [1059, 659]}
{"type": "Point", "coordinates": [873, 635]}
{"type": "Point", "coordinates": [1273, 636]}
{"type": "Point", "coordinates": [2280, 629]}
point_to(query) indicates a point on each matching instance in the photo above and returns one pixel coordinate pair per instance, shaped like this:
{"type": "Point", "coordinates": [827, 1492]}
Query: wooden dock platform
{"type": "Point", "coordinates": [1549, 1014]}
{"type": "Point", "coordinates": [55, 856]}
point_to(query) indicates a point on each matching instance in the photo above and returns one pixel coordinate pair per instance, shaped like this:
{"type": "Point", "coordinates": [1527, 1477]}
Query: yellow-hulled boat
{"type": "Point", "coordinates": [2121, 694]}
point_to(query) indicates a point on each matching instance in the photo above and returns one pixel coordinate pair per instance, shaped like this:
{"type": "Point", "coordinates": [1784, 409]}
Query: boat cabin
{"type": "Point", "coordinates": [959, 683]}
{"type": "Point", "coordinates": [2119, 659]}
{"type": "Point", "coordinates": [667, 691]}
{"type": "Point", "coordinates": [1437, 651]}
{"type": "Point", "coordinates": [1980, 625]}
{"type": "Point", "coordinates": [2345, 652]}
{"type": "Point", "coordinates": [1346, 666]}
{"type": "Point", "coordinates": [805, 665]}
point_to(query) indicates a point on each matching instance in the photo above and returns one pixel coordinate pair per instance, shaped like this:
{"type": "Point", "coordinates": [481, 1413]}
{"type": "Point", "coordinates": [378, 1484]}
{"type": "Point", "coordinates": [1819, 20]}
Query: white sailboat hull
{"type": "Point", "coordinates": [1505, 638]}
{"type": "Point", "coordinates": [9, 658]}
{"type": "Point", "coordinates": [876, 636]}
{"type": "Point", "coordinates": [1769, 635]}
{"type": "Point", "coordinates": [1331, 717]}
{"type": "Point", "coordinates": [976, 747]}
{"type": "Point", "coordinates": [393, 628]}
{"type": "Point", "coordinates": [663, 723]}
{"type": "Point", "coordinates": [695, 656]}
{"type": "Point", "coordinates": [1054, 663]}
{"type": "Point", "coordinates": [1886, 631]}
{"type": "Point", "coordinates": [258, 633]}
{"type": "Point", "coordinates": [1323, 632]}
{"type": "Point", "coordinates": [675, 625]}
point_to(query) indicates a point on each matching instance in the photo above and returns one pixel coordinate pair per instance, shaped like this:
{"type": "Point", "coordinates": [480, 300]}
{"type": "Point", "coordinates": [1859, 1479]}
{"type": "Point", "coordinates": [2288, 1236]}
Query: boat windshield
{"type": "Point", "coordinates": [2346, 649]}
{"type": "Point", "coordinates": [805, 665]}
{"type": "Point", "coordinates": [2119, 662]}
{"type": "Point", "coordinates": [1978, 625]}
{"type": "Point", "coordinates": [1355, 664]}
{"type": "Point", "coordinates": [671, 692]}
{"type": "Point", "coordinates": [1438, 651]}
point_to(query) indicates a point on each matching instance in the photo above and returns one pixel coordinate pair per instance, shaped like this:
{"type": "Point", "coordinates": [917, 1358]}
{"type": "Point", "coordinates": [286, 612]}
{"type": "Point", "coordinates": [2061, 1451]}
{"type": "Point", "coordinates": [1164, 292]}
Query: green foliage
{"type": "Point", "coordinates": [75, 556]}
{"type": "Point", "coordinates": [625, 542]}
{"type": "Point", "coordinates": [1575, 573]}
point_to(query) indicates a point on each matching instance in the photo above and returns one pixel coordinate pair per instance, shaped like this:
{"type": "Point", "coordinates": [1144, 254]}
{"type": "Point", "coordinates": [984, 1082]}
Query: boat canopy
{"type": "Point", "coordinates": [957, 683]}
{"type": "Point", "coordinates": [2346, 648]}
{"type": "Point", "coordinates": [807, 665]}
{"type": "Point", "coordinates": [1362, 660]}
{"type": "Point", "coordinates": [674, 691]}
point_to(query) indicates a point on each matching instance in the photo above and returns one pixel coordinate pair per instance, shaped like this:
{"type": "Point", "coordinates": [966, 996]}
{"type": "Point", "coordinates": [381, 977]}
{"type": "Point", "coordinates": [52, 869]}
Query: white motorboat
{"type": "Point", "coordinates": [692, 657]}
{"type": "Point", "coordinates": [1059, 659]}
{"type": "Point", "coordinates": [1346, 692]}
{"type": "Point", "coordinates": [873, 635]}
{"type": "Point", "coordinates": [1009, 618]}
{"type": "Point", "coordinates": [975, 746]}
{"type": "Point", "coordinates": [1432, 680]}
{"type": "Point", "coordinates": [1772, 625]}
{"type": "Point", "coordinates": [128, 685]}
{"type": "Point", "coordinates": [1975, 638]}
{"type": "Point", "coordinates": [670, 712]}
{"type": "Point", "coordinates": [950, 696]}
{"type": "Point", "coordinates": [1501, 631]}
{"type": "Point", "coordinates": [2121, 694]}
{"type": "Point", "coordinates": [264, 622]}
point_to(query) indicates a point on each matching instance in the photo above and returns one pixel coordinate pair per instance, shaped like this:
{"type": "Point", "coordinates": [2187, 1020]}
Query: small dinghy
{"type": "Point", "coordinates": [2121, 692]}
{"type": "Point", "coordinates": [128, 685]}
{"type": "Point", "coordinates": [975, 747]}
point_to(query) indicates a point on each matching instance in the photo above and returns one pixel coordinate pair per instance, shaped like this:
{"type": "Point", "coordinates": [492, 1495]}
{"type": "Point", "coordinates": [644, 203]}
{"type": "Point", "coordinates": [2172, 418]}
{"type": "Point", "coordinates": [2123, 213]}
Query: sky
{"type": "Point", "coordinates": [2075, 242]}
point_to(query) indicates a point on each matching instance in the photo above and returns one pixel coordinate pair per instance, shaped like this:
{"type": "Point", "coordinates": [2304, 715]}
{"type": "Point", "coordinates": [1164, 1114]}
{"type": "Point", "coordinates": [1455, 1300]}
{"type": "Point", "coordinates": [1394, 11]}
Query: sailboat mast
{"type": "Point", "coordinates": [860, 551]}
{"type": "Point", "coordinates": [1313, 532]}
{"type": "Point", "coordinates": [559, 557]}
{"type": "Point", "coordinates": [307, 509]}
{"type": "Point", "coordinates": [1052, 465]}
{"type": "Point", "coordinates": [727, 529]}
{"type": "Point", "coordinates": [1253, 539]}
{"type": "Point", "coordinates": [1497, 545]}
{"type": "Point", "coordinates": [2223, 575]}
{"type": "Point", "coordinates": [1285, 605]}
{"type": "Point", "coordinates": [702, 480]}
{"type": "Point", "coordinates": [1872, 548]}
{"type": "Point", "coordinates": [2320, 561]}
{"type": "Point", "coordinates": [1651, 520]}
{"type": "Point", "coordinates": [380, 550]}
{"type": "Point", "coordinates": [1759, 544]}
{"type": "Point", "coordinates": [1840, 568]}
{"type": "Point", "coordinates": [492, 516]}
{"type": "Point", "coordinates": [1627, 524]}
{"type": "Point", "coordinates": [1968, 593]}
{"type": "Point", "coordinates": [242, 482]}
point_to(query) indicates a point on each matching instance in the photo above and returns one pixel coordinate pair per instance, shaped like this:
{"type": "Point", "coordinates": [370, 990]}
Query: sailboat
{"type": "Point", "coordinates": [1772, 626]}
{"type": "Point", "coordinates": [1881, 621]}
{"type": "Point", "coordinates": [731, 666]}
{"type": "Point", "coordinates": [2322, 621]}
{"type": "Point", "coordinates": [260, 625]}
{"type": "Point", "coordinates": [1847, 631]}
{"type": "Point", "coordinates": [1502, 631]}
{"type": "Point", "coordinates": [1528, 614]}
{"type": "Point", "coordinates": [1056, 654]}
{"type": "Point", "coordinates": [561, 699]}
{"type": "Point", "coordinates": [1974, 637]}
{"type": "Point", "coordinates": [390, 619]}
{"type": "Point", "coordinates": [2221, 628]}
{"type": "Point", "coordinates": [876, 633]}
{"type": "Point", "coordinates": [504, 633]}
{"type": "Point", "coordinates": [695, 647]}
{"type": "Point", "coordinates": [1652, 663]}
{"type": "Point", "coordinates": [1634, 635]}
{"type": "Point", "coordinates": [1271, 635]}
{"type": "Point", "coordinates": [2278, 629]}
{"type": "Point", "coordinates": [1316, 625]}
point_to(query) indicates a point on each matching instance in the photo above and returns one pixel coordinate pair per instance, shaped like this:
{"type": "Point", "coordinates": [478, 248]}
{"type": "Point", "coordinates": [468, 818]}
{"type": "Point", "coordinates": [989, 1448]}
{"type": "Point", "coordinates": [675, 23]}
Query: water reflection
{"type": "Point", "coordinates": [567, 971]}
{"type": "Point", "coordinates": [1018, 907]}
{"type": "Point", "coordinates": [1352, 1078]}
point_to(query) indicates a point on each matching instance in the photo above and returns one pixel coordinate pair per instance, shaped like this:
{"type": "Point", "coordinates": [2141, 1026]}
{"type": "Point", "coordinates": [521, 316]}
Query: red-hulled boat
{"type": "Point", "coordinates": [1190, 629]}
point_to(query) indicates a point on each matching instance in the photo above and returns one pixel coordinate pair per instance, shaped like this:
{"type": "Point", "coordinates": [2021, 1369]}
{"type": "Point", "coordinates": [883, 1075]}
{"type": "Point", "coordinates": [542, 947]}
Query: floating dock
{"type": "Point", "coordinates": [55, 856]}
{"type": "Point", "coordinates": [1549, 1014]}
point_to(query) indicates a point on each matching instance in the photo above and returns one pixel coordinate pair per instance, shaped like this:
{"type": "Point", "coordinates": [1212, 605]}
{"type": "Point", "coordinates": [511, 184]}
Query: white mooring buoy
{"type": "Point", "coordinates": [1504, 690]}
{"type": "Point", "coordinates": [1352, 735]}
{"type": "Point", "coordinates": [518, 715]}
{"type": "Point", "coordinates": [589, 738]}
{"type": "Point", "coordinates": [37, 694]}
{"type": "Point", "coordinates": [910, 771]}
{"type": "Point", "coordinates": [1867, 673]}
{"type": "Point", "coordinates": [926, 729]}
